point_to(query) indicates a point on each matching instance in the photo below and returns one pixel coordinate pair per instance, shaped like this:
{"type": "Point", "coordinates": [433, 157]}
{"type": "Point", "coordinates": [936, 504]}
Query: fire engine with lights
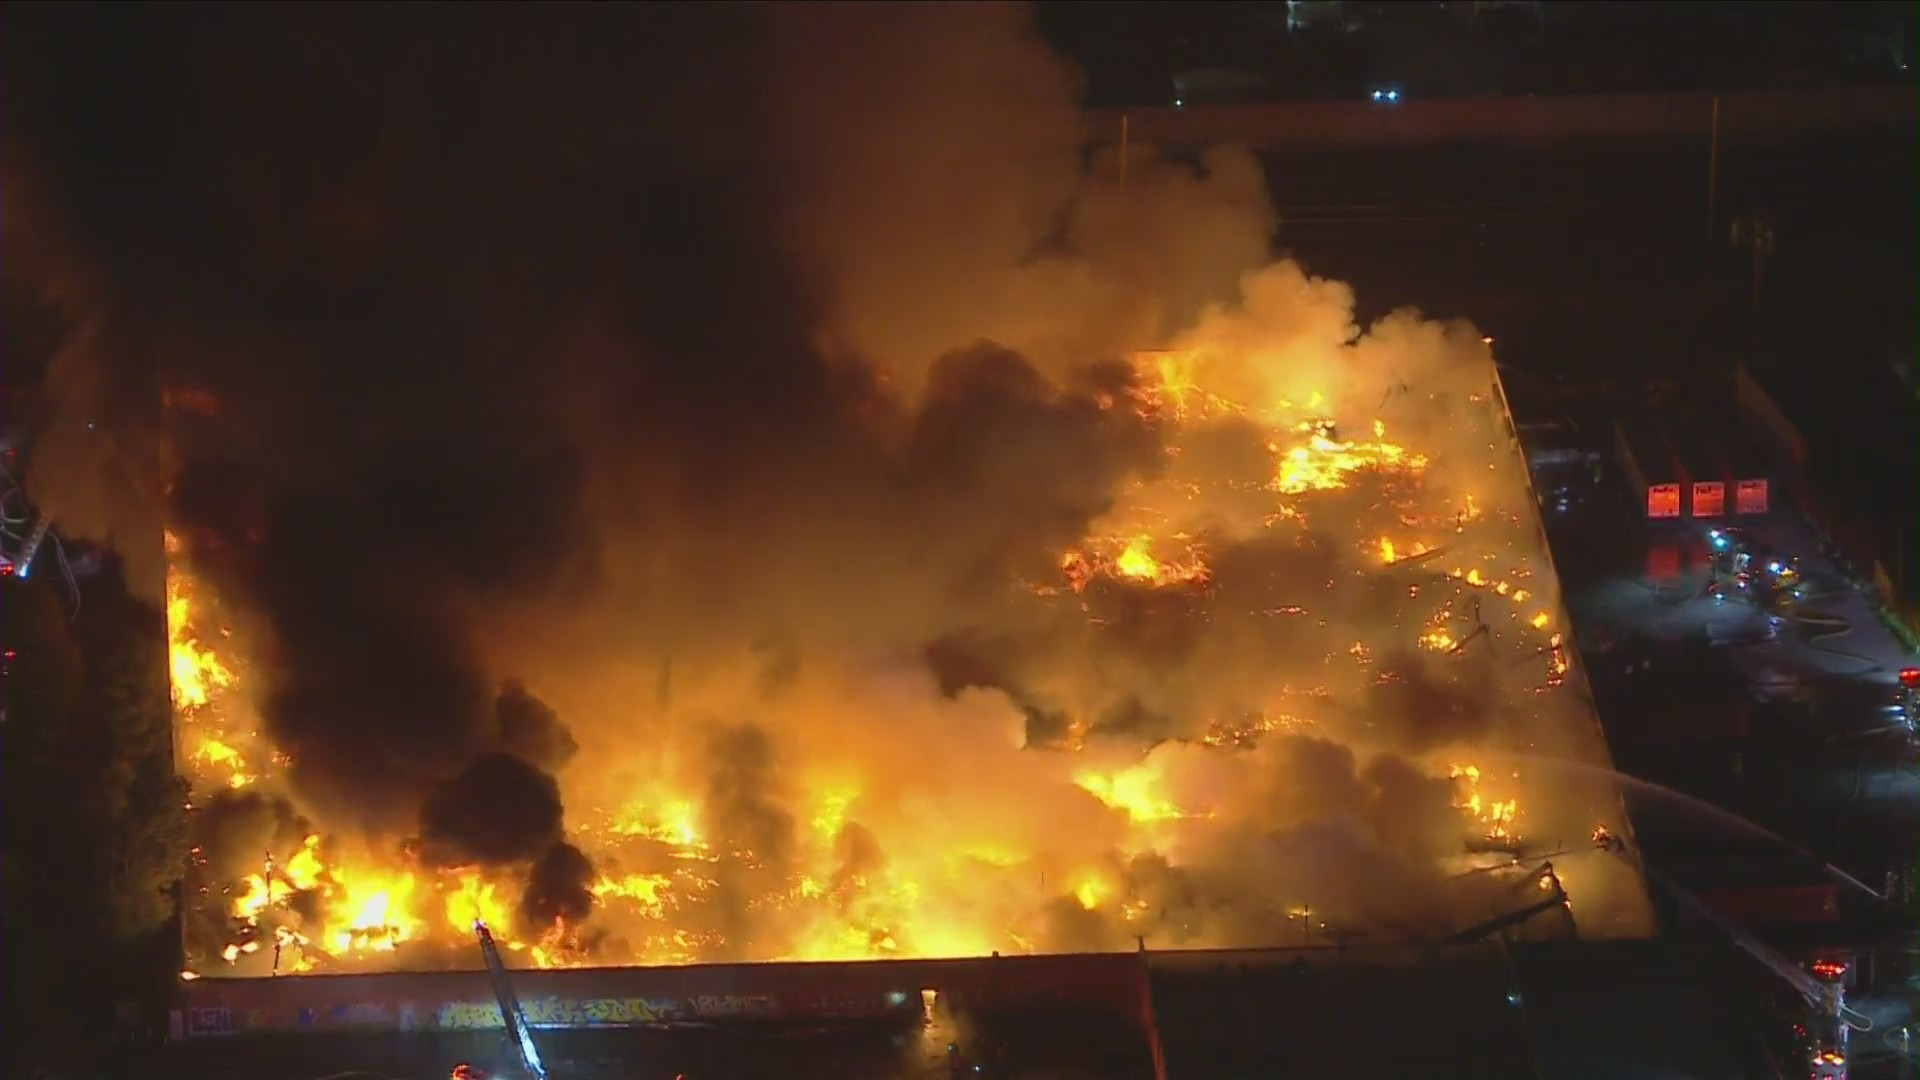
{"type": "Point", "coordinates": [1822, 984]}
{"type": "Point", "coordinates": [1907, 701]}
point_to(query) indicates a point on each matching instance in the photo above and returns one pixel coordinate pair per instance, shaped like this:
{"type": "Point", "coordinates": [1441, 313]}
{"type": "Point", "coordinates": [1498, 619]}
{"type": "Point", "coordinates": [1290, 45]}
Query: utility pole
{"type": "Point", "coordinates": [1760, 238]}
{"type": "Point", "coordinates": [1124, 133]}
{"type": "Point", "coordinates": [276, 936]}
{"type": "Point", "coordinates": [1756, 232]}
{"type": "Point", "coordinates": [1713, 168]}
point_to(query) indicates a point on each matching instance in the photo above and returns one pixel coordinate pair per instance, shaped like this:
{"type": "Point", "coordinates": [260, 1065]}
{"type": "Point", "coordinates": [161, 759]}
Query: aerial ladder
{"type": "Point", "coordinates": [1549, 883]}
{"type": "Point", "coordinates": [1823, 988]}
{"type": "Point", "coordinates": [23, 564]}
{"type": "Point", "coordinates": [519, 1033]}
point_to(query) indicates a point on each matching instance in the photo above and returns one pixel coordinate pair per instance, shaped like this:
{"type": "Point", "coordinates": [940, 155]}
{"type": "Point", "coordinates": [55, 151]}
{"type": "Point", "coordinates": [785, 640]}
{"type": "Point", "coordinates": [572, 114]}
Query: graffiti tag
{"type": "Point", "coordinates": [729, 1005]}
{"type": "Point", "coordinates": [362, 1015]}
{"type": "Point", "coordinates": [555, 1012]}
{"type": "Point", "coordinates": [209, 1022]}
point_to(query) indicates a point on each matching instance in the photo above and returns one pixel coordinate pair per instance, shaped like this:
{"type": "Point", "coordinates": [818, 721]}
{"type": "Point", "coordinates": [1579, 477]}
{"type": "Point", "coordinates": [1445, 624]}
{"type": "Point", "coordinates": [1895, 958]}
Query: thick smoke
{"type": "Point", "coordinates": [746, 801]}
{"type": "Point", "coordinates": [498, 809]}
{"type": "Point", "coordinates": [94, 470]}
{"type": "Point", "coordinates": [559, 889]}
{"type": "Point", "coordinates": [732, 374]}
{"type": "Point", "coordinates": [371, 471]}
{"type": "Point", "coordinates": [531, 730]}
{"type": "Point", "coordinates": [941, 191]}
{"type": "Point", "coordinates": [234, 829]}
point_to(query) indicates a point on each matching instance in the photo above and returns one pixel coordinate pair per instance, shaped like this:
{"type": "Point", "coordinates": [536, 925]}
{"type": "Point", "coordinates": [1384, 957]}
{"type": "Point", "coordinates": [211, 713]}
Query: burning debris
{"type": "Point", "coordinates": [872, 606]}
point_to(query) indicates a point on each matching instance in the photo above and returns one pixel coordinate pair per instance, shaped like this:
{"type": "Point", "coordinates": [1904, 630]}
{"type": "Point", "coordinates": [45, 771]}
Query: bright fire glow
{"type": "Point", "coordinates": [1132, 559]}
{"type": "Point", "coordinates": [1497, 816]}
{"type": "Point", "coordinates": [197, 673]}
{"type": "Point", "coordinates": [1135, 791]}
{"type": "Point", "coordinates": [1321, 462]}
{"type": "Point", "coordinates": [671, 883]}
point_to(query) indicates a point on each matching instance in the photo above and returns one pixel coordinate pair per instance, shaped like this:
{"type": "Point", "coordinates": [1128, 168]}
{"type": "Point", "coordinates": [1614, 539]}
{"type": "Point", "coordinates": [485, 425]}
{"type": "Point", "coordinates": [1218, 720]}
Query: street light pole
{"type": "Point", "coordinates": [1762, 247]}
{"type": "Point", "coordinates": [1713, 168]}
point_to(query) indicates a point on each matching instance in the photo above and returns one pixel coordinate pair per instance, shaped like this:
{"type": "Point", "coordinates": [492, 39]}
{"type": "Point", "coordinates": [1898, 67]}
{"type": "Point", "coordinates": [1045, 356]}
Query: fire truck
{"type": "Point", "coordinates": [1907, 701]}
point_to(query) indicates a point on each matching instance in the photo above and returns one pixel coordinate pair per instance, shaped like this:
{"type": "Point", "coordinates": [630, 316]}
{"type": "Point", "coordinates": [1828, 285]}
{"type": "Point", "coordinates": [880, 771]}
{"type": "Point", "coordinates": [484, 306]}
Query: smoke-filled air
{"type": "Point", "coordinates": [732, 483]}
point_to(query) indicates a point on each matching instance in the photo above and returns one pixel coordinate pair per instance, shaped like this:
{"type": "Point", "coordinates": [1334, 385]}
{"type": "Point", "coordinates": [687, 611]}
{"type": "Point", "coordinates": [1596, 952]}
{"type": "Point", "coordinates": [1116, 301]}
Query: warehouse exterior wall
{"type": "Point", "coordinates": [640, 997]}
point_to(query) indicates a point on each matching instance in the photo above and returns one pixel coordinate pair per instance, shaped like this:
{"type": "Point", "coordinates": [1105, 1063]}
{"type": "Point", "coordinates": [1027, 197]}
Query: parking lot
{"type": "Point", "coordinates": [1759, 724]}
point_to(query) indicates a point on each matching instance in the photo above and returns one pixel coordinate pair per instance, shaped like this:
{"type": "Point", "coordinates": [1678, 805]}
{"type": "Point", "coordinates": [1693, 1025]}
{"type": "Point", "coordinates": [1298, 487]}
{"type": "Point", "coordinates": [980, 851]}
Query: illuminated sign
{"type": "Point", "coordinates": [1750, 497]}
{"type": "Point", "coordinates": [1709, 498]}
{"type": "Point", "coordinates": [1663, 501]}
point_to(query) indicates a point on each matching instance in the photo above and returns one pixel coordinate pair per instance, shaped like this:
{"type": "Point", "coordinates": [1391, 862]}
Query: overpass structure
{"type": "Point", "coordinates": [1746, 117]}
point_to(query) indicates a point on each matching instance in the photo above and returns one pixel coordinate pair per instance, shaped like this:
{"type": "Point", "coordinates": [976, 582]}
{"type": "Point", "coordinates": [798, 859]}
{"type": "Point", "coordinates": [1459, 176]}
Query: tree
{"type": "Point", "coordinates": [139, 800]}
{"type": "Point", "coordinates": [39, 824]}
{"type": "Point", "coordinates": [93, 840]}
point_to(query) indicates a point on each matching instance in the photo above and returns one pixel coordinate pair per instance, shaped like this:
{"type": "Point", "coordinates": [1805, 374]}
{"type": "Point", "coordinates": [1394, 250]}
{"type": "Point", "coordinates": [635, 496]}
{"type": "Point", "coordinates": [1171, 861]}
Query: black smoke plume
{"type": "Point", "coordinates": [498, 809]}
{"type": "Point", "coordinates": [235, 832]}
{"type": "Point", "coordinates": [531, 730]}
{"type": "Point", "coordinates": [559, 889]}
{"type": "Point", "coordinates": [746, 811]}
{"type": "Point", "coordinates": [512, 345]}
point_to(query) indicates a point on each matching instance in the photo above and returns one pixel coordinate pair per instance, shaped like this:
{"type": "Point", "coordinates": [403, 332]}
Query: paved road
{"type": "Point", "coordinates": [1853, 796]}
{"type": "Point", "coordinates": [1816, 774]}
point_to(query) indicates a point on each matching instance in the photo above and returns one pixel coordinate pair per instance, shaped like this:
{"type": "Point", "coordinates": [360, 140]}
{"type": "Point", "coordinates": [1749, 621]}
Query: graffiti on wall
{"type": "Point", "coordinates": [209, 1021]}
{"type": "Point", "coordinates": [550, 1011]}
{"type": "Point", "coordinates": [221, 1010]}
{"type": "Point", "coordinates": [602, 1012]}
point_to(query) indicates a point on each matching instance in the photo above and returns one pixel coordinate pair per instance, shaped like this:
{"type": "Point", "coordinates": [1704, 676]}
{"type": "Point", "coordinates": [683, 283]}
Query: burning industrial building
{"type": "Point", "coordinates": [750, 525]}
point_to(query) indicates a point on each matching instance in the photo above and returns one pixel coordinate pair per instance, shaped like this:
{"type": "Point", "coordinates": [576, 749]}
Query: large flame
{"type": "Point", "coordinates": [943, 887]}
{"type": "Point", "coordinates": [1132, 559]}
{"type": "Point", "coordinates": [198, 674]}
{"type": "Point", "coordinates": [365, 905]}
{"type": "Point", "coordinates": [925, 538]}
{"type": "Point", "coordinates": [1319, 461]}
{"type": "Point", "coordinates": [1497, 815]}
{"type": "Point", "coordinates": [1134, 791]}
